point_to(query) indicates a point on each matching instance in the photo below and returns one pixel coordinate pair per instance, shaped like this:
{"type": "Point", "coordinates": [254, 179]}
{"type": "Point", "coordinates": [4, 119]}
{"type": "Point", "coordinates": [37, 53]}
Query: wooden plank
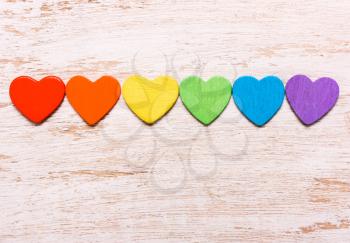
{"type": "Point", "coordinates": [123, 181]}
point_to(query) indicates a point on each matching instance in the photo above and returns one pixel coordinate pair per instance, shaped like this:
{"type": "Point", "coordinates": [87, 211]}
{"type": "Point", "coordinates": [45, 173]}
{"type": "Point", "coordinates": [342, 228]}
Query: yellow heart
{"type": "Point", "coordinates": [150, 99]}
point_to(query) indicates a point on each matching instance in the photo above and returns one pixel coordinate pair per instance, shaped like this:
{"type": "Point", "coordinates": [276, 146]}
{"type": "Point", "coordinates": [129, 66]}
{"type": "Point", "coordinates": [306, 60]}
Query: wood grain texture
{"type": "Point", "coordinates": [123, 181]}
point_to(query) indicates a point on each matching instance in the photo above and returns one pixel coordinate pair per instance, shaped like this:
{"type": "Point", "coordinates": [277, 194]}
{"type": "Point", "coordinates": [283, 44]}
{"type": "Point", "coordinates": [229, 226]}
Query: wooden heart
{"type": "Point", "coordinates": [150, 99]}
{"type": "Point", "coordinates": [93, 100]}
{"type": "Point", "coordinates": [205, 100]}
{"type": "Point", "coordinates": [258, 100]}
{"type": "Point", "coordinates": [309, 100]}
{"type": "Point", "coordinates": [37, 100]}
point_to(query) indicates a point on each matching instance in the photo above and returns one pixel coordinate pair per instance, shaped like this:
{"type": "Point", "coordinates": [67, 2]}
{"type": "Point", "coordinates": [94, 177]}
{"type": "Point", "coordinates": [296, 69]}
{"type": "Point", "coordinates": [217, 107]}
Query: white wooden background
{"type": "Point", "coordinates": [177, 181]}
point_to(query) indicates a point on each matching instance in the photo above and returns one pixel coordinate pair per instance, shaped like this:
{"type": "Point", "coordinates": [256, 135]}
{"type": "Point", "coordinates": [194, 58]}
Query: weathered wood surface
{"type": "Point", "coordinates": [176, 181]}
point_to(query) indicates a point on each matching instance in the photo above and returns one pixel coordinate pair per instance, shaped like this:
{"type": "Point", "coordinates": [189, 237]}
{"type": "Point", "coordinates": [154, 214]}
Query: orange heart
{"type": "Point", "coordinates": [92, 100]}
{"type": "Point", "coordinates": [37, 100]}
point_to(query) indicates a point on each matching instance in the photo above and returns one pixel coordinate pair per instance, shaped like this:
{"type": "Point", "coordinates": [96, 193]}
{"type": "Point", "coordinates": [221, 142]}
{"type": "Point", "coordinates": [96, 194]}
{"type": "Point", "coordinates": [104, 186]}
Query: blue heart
{"type": "Point", "coordinates": [258, 100]}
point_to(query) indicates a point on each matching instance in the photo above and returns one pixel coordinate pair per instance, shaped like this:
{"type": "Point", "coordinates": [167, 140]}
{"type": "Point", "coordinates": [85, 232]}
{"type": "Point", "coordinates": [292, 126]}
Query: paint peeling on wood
{"type": "Point", "coordinates": [123, 181]}
{"type": "Point", "coordinates": [343, 224]}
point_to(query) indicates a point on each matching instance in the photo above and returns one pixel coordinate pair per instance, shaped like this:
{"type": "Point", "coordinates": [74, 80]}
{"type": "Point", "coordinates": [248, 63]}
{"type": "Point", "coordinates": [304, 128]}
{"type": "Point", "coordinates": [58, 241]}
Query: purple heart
{"type": "Point", "coordinates": [309, 100]}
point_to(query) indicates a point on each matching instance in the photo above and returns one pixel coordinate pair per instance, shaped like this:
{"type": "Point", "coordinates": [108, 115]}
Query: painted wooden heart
{"type": "Point", "coordinates": [258, 100]}
{"type": "Point", "coordinates": [309, 100]}
{"type": "Point", "coordinates": [93, 100]}
{"type": "Point", "coordinates": [205, 100]}
{"type": "Point", "coordinates": [150, 99]}
{"type": "Point", "coordinates": [37, 100]}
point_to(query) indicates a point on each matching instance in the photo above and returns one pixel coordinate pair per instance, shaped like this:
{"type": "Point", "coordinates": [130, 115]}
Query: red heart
{"type": "Point", "coordinates": [37, 100]}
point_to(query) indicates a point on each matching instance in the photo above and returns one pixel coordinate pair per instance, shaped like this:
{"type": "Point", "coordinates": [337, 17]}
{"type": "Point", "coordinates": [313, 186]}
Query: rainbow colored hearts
{"type": "Point", "coordinates": [258, 100]}
{"type": "Point", "coordinates": [37, 100]}
{"type": "Point", "coordinates": [309, 100]}
{"type": "Point", "coordinates": [205, 100]}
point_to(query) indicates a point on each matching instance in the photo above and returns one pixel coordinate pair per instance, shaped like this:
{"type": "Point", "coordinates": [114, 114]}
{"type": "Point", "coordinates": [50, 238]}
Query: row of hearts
{"type": "Point", "coordinates": [258, 100]}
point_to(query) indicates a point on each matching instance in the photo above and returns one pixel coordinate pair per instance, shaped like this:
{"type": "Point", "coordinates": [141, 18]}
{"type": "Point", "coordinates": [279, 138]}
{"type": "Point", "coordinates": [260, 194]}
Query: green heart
{"type": "Point", "coordinates": [205, 100]}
